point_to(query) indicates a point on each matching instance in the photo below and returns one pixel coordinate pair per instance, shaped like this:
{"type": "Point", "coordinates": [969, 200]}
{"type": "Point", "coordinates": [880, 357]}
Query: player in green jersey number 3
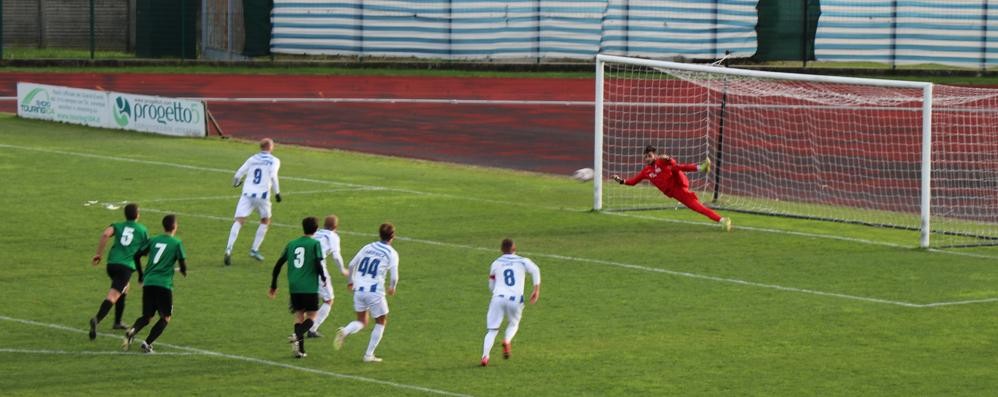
{"type": "Point", "coordinates": [305, 275]}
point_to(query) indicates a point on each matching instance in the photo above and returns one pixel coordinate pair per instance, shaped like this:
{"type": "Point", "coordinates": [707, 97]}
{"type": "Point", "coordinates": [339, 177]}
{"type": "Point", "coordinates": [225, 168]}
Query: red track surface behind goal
{"type": "Point", "coordinates": [554, 136]}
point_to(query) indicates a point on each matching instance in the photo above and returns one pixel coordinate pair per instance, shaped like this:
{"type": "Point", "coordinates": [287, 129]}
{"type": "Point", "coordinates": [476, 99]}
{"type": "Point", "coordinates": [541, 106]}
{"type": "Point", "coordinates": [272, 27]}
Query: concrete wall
{"type": "Point", "coordinates": [66, 24]}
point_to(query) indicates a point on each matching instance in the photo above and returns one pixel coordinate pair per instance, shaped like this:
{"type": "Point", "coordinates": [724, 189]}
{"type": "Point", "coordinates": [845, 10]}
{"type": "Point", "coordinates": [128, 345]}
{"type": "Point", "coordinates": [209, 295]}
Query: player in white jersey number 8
{"type": "Point", "coordinates": [507, 278]}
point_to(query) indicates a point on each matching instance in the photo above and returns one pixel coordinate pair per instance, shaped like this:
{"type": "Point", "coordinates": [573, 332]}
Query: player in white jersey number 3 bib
{"type": "Point", "coordinates": [367, 279]}
{"type": "Point", "coordinates": [507, 278]}
{"type": "Point", "coordinates": [260, 171]}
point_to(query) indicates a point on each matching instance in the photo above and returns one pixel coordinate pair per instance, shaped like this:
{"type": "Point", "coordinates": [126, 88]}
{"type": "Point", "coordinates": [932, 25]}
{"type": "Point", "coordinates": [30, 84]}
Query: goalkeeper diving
{"type": "Point", "coordinates": [667, 175]}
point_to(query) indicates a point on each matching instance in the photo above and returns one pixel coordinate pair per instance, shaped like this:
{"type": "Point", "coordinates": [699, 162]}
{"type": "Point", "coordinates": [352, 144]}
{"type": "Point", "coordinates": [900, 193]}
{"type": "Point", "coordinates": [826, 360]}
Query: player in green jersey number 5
{"type": "Point", "coordinates": [305, 276]}
{"type": "Point", "coordinates": [128, 237]}
{"type": "Point", "coordinates": [164, 251]}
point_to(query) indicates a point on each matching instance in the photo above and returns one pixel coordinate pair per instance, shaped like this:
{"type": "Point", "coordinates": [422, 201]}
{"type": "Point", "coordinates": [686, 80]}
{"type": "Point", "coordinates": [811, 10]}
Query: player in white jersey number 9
{"type": "Point", "coordinates": [260, 173]}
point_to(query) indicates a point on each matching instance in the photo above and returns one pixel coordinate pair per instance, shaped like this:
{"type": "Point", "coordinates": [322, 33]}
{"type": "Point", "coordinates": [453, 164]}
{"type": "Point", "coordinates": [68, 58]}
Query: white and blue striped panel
{"type": "Point", "coordinates": [468, 29]}
{"type": "Point", "coordinates": [951, 32]}
{"type": "Point", "coordinates": [684, 28]}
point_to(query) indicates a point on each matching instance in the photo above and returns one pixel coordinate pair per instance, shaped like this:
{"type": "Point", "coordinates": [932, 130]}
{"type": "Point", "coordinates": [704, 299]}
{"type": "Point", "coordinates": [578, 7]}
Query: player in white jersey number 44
{"type": "Point", "coordinates": [507, 278]}
{"type": "Point", "coordinates": [367, 280]}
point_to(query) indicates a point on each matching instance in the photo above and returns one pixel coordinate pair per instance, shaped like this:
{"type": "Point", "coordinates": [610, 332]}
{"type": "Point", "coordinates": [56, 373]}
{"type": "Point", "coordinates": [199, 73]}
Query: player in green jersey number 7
{"type": "Point", "coordinates": [164, 251]}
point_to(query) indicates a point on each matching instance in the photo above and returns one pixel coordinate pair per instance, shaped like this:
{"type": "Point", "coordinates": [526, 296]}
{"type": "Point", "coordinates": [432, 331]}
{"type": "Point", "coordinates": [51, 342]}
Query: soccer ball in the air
{"type": "Point", "coordinates": [583, 174]}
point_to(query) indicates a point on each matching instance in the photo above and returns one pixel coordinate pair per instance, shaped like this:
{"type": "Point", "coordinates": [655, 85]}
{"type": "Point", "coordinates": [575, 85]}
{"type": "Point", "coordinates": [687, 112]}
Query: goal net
{"type": "Point", "coordinates": [893, 154]}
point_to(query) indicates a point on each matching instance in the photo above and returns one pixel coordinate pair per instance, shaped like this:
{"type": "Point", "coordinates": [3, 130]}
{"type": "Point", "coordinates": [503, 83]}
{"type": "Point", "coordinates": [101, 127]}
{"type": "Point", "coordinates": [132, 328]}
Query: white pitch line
{"type": "Point", "coordinates": [628, 266]}
{"type": "Point", "coordinates": [397, 100]}
{"type": "Point", "coordinates": [309, 180]}
{"type": "Point", "coordinates": [767, 230]}
{"type": "Point", "coordinates": [236, 196]}
{"type": "Point", "coordinates": [907, 304]}
{"type": "Point", "coordinates": [193, 351]}
{"type": "Point", "coordinates": [474, 199]}
{"type": "Point", "coordinates": [445, 101]}
{"type": "Point", "coordinates": [95, 353]}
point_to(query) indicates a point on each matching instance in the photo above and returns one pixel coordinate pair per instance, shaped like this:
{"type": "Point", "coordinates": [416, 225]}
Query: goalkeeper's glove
{"type": "Point", "coordinates": [704, 166]}
{"type": "Point", "coordinates": [618, 179]}
{"type": "Point", "coordinates": [277, 196]}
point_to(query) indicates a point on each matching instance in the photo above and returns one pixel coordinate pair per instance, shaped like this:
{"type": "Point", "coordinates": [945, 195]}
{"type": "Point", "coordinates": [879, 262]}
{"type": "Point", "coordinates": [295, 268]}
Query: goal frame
{"type": "Point", "coordinates": [925, 190]}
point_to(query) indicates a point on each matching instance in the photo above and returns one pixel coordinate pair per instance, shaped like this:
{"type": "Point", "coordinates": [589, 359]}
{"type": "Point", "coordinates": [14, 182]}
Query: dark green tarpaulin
{"type": "Point", "coordinates": [256, 14]}
{"type": "Point", "coordinates": [166, 28]}
{"type": "Point", "coordinates": [783, 32]}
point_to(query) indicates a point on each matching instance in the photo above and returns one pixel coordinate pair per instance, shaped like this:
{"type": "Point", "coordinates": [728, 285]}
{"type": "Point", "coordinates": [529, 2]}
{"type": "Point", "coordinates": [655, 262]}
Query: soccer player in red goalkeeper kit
{"type": "Point", "coordinates": [667, 175]}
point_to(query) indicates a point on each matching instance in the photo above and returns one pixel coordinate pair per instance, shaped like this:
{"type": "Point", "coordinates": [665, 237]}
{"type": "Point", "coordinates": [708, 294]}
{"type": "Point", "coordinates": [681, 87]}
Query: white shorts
{"type": "Point", "coordinates": [370, 302]}
{"type": "Point", "coordinates": [248, 204]}
{"type": "Point", "coordinates": [326, 293]}
{"type": "Point", "coordinates": [501, 307]}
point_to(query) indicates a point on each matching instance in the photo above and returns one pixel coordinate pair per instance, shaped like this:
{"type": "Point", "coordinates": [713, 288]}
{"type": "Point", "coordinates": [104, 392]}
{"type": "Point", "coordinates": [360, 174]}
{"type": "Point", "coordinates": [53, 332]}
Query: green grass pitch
{"type": "Point", "coordinates": [643, 303]}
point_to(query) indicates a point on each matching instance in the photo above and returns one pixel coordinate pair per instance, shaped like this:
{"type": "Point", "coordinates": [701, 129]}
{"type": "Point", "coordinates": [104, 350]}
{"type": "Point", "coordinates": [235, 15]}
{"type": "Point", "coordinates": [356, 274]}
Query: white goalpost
{"type": "Point", "coordinates": [895, 154]}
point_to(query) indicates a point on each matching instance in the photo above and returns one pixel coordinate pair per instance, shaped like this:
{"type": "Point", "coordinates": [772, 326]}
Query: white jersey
{"type": "Point", "coordinates": [509, 275]}
{"type": "Point", "coordinates": [260, 171]}
{"type": "Point", "coordinates": [330, 242]}
{"type": "Point", "coordinates": [369, 267]}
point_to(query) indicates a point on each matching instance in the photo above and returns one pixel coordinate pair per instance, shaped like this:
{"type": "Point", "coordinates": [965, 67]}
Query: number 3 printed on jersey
{"type": "Point", "coordinates": [299, 257]}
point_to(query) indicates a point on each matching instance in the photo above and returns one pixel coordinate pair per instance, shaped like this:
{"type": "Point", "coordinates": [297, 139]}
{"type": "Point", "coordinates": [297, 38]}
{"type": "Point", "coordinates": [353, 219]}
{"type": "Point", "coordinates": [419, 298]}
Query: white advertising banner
{"type": "Point", "coordinates": [160, 115]}
{"type": "Point", "coordinates": [68, 105]}
{"type": "Point", "coordinates": [167, 116]}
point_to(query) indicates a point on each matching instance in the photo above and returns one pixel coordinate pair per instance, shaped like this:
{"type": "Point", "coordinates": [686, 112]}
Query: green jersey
{"type": "Point", "coordinates": [164, 251]}
{"type": "Point", "coordinates": [129, 236]}
{"type": "Point", "coordinates": [301, 254]}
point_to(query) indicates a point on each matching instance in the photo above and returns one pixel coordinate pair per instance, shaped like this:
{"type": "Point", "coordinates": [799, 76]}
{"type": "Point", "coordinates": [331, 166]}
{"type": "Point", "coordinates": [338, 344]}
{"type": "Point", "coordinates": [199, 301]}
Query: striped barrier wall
{"type": "Point", "coordinates": [464, 29]}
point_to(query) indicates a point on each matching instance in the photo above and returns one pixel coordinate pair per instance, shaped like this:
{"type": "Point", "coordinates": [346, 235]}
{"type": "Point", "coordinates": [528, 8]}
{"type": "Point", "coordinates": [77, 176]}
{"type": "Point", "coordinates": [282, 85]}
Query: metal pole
{"type": "Point", "coordinates": [713, 30]}
{"type": "Point", "coordinates": [228, 26]}
{"type": "Point", "coordinates": [204, 34]}
{"type": "Point", "coordinates": [627, 27]}
{"type": "Point", "coordinates": [450, 29]}
{"type": "Point", "coordinates": [93, 35]}
{"type": "Point", "coordinates": [984, 36]}
{"type": "Point", "coordinates": [926, 185]}
{"type": "Point", "coordinates": [183, 29]}
{"type": "Point", "coordinates": [360, 55]}
{"type": "Point", "coordinates": [894, 33]}
{"type": "Point", "coordinates": [598, 137]}
{"type": "Point", "coordinates": [718, 154]}
{"type": "Point", "coordinates": [1, 30]}
{"type": "Point", "coordinates": [537, 32]}
{"type": "Point", "coordinates": [804, 35]}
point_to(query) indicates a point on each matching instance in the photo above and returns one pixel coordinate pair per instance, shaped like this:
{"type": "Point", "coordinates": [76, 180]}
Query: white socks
{"type": "Point", "coordinates": [490, 339]}
{"type": "Point", "coordinates": [321, 316]}
{"type": "Point", "coordinates": [375, 339]}
{"type": "Point", "coordinates": [511, 329]}
{"type": "Point", "coordinates": [353, 327]}
{"type": "Point", "coordinates": [233, 233]}
{"type": "Point", "coordinates": [261, 232]}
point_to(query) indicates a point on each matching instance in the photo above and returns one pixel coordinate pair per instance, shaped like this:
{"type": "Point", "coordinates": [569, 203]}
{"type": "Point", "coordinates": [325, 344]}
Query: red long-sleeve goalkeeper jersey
{"type": "Point", "coordinates": [666, 174]}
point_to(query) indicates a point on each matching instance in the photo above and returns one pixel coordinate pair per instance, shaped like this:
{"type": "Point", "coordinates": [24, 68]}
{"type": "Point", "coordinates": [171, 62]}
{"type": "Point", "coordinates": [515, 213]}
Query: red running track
{"type": "Point", "coordinates": [546, 137]}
